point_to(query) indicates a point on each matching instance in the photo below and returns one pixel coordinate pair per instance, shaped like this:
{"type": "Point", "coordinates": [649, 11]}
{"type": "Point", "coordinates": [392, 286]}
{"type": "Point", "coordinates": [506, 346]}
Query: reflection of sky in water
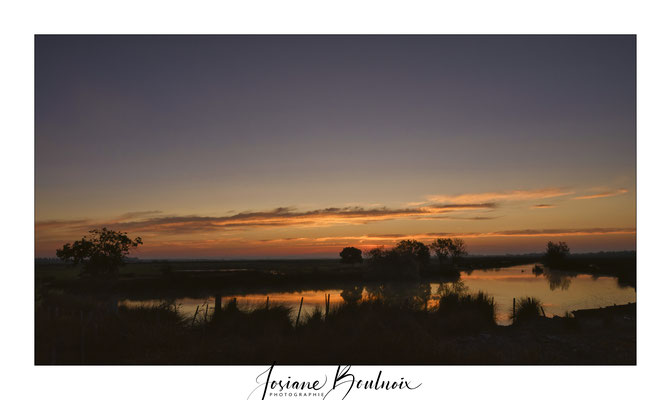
{"type": "Point", "coordinates": [558, 292]}
{"type": "Point", "coordinates": [582, 291]}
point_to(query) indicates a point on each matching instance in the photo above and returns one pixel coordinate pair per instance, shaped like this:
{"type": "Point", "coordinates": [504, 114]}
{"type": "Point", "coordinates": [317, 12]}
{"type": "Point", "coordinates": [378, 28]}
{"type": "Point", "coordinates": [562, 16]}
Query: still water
{"type": "Point", "coordinates": [559, 292]}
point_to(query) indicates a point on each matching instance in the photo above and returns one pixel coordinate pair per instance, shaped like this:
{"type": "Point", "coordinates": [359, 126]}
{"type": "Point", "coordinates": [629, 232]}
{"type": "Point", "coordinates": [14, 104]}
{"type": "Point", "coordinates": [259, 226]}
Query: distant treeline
{"type": "Point", "coordinates": [133, 260]}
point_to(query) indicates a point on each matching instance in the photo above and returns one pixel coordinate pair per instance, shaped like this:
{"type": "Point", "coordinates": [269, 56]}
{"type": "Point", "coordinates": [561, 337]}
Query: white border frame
{"type": "Point", "coordinates": [21, 20]}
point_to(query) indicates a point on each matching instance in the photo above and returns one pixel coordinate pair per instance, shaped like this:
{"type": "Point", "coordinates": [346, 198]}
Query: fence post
{"type": "Point", "coordinates": [299, 312]}
{"type": "Point", "coordinates": [194, 316]}
{"type": "Point", "coordinates": [513, 308]}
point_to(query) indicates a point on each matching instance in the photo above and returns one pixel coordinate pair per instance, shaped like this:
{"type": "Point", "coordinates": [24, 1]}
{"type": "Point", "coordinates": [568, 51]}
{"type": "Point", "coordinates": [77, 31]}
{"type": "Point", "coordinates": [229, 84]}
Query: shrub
{"type": "Point", "coordinates": [391, 264]}
{"type": "Point", "coordinates": [100, 253]}
{"type": "Point", "coordinates": [350, 255]}
{"type": "Point", "coordinates": [556, 253]}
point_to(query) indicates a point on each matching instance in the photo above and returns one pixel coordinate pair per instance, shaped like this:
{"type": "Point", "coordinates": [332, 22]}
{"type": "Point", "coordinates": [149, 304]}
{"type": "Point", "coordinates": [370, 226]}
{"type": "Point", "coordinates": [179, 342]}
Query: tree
{"type": "Point", "coordinates": [350, 255]}
{"type": "Point", "coordinates": [449, 248]}
{"type": "Point", "coordinates": [442, 249]}
{"type": "Point", "coordinates": [103, 252]}
{"type": "Point", "coordinates": [458, 250]}
{"type": "Point", "coordinates": [390, 264]}
{"type": "Point", "coordinates": [556, 252]}
{"type": "Point", "coordinates": [414, 250]}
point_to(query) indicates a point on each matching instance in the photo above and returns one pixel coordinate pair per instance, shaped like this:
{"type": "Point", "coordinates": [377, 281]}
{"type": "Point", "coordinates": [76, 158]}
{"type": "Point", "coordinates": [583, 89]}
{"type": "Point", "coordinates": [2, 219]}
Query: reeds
{"type": "Point", "coordinates": [467, 312]}
{"type": "Point", "coordinates": [355, 332]}
{"type": "Point", "coordinates": [526, 309]}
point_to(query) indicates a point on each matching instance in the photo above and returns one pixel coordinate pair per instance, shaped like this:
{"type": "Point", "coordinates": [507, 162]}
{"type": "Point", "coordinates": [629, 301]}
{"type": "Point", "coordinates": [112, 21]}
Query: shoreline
{"type": "Point", "coordinates": [193, 277]}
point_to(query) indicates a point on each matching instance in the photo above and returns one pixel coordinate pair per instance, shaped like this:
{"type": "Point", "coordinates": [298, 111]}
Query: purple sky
{"type": "Point", "coordinates": [215, 126]}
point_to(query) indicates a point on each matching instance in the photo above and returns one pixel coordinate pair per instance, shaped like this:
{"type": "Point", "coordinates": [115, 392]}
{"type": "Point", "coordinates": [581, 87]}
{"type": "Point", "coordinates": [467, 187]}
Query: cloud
{"type": "Point", "coordinates": [392, 237]}
{"type": "Point", "coordinates": [462, 207]}
{"type": "Point", "coordinates": [609, 193]}
{"type": "Point", "coordinates": [60, 223]}
{"type": "Point", "coordinates": [447, 217]}
{"type": "Point", "coordinates": [148, 221]}
{"type": "Point", "coordinates": [231, 246]}
{"type": "Point", "coordinates": [562, 232]}
{"type": "Point", "coordinates": [137, 214]}
{"type": "Point", "coordinates": [543, 206]}
{"type": "Point", "coordinates": [512, 195]}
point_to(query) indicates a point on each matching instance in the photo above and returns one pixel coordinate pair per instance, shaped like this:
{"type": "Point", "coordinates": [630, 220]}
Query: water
{"type": "Point", "coordinates": [559, 292]}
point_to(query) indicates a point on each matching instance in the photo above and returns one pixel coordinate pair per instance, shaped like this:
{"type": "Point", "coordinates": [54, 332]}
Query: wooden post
{"type": "Point", "coordinates": [298, 317]}
{"type": "Point", "coordinates": [267, 302]}
{"type": "Point", "coordinates": [207, 308]}
{"type": "Point", "coordinates": [194, 316]}
{"type": "Point", "coordinates": [513, 308]}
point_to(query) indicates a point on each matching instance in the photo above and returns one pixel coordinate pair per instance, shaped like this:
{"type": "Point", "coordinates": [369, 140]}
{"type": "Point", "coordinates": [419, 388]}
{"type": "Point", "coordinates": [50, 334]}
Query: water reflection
{"type": "Point", "coordinates": [559, 291]}
{"type": "Point", "coordinates": [352, 294]}
{"type": "Point", "coordinates": [558, 279]}
{"type": "Point", "coordinates": [407, 294]}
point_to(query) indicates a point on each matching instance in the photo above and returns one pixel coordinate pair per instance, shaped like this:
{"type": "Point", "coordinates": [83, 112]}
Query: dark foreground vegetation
{"type": "Point", "coordinates": [78, 320]}
{"type": "Point", "coordinates": [460, 329]}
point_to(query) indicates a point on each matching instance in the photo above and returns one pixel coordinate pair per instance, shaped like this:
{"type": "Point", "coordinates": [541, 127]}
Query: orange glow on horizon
{"type": "Point", "coordinates": [508, 222]}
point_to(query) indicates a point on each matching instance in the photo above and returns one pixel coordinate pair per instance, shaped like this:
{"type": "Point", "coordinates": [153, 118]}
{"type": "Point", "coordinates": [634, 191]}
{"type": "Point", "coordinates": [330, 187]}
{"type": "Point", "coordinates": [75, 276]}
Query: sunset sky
{"type": "Point", "coordinates": [296, 146]}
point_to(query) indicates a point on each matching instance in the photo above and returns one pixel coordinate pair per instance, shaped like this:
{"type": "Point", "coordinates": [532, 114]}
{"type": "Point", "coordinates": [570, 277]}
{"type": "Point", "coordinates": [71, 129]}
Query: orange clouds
{"type": "Point", "coordinates": [543, 206]}
{"type": "Point", "coordinates": [519, 195]}
{"type": "Point", "coordinates": [291, 231]}
{"type": "Point", "coordinates": [499, 242]}
{"type": "Point", "coordinates": [282, 216]}
{"type": "Point", "coordinates": [609, 193]}
{"type": "Point", "coordinates": [433, 235]}
{"type": "Point", "coordinates": [512, 195]}
{"type": "Point", "coordinates": [502, 241]}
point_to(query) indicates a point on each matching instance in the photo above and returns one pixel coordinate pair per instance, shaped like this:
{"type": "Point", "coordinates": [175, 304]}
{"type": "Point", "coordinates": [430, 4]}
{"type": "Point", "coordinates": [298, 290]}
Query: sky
{"type": "Point", "coordinates": [297, 146]}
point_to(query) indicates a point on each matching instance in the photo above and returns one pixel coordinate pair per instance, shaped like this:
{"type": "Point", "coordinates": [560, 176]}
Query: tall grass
{"type": "Point", "coordinates": [466, 312]}
{"type": "Point", "coordinates": [363, 332]}
{"type": "Point", "coordinates": [526, 309]}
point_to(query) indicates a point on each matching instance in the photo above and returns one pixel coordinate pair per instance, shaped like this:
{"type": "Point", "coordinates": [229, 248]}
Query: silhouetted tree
{"type": "Point", "coordinates": [556, 253]}
{"type": "Point", "coordinates": [458, 250]}
{"type": "Point", "coordinates": [103, 252]}
{"type": "Point", "coordinates": [449, 248]}
{"type": "Point", "coordinates": [442, 249]}
{"type": "Point", "coordinates": [350, 255]}
{"type": "Point", "coordinates": [394, 264]}
{"type": "Point", "coordinates": [414, 250]}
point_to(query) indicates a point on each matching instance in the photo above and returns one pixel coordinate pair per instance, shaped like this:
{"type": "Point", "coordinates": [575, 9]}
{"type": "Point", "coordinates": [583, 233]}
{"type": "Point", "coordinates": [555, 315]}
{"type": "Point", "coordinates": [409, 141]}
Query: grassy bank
{"type": "Point", "coordinates": [460, 330]}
